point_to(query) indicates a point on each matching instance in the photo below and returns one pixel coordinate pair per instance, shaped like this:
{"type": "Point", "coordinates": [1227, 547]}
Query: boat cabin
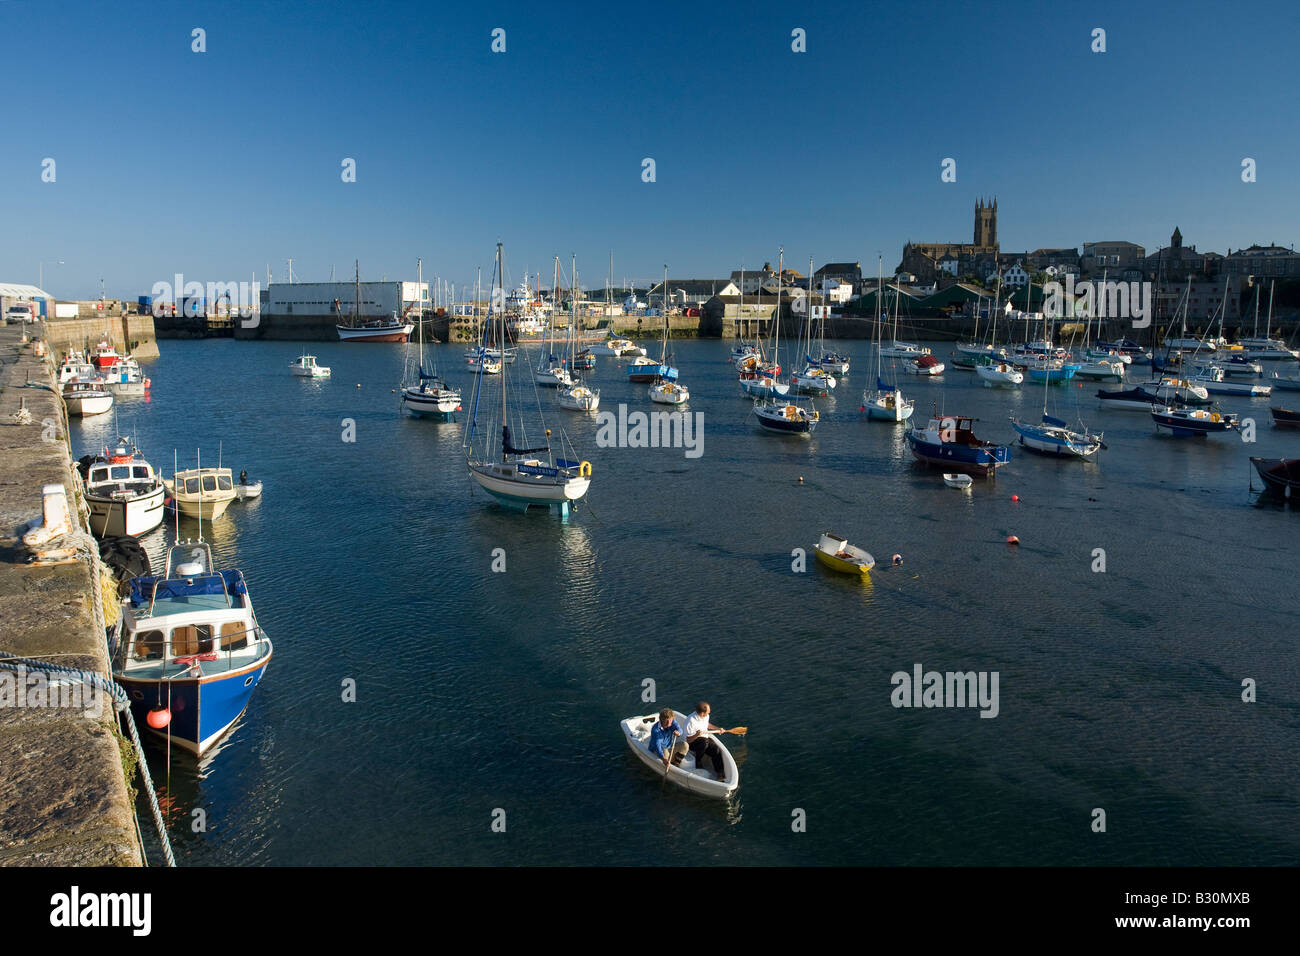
{"type": "Point", "coordinates": [205, 480]}
{"type": "Point", "coordinates": [131, 475]}
{"type": "Point", "coordinates": [192, 616]}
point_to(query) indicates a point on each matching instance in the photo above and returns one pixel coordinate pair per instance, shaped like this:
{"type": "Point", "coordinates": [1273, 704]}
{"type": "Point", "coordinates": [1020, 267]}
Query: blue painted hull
{"type": "Point", "coordinates": [980, 462]}
{"type": "Point", "coordinates": [648, 373]}
{"type": "Point", "coordinates": [202, 709]}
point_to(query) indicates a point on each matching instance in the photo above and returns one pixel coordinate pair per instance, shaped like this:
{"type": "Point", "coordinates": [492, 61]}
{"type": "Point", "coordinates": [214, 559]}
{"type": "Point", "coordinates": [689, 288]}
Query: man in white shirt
{"type": "Point", "coordinates": [702, 745]}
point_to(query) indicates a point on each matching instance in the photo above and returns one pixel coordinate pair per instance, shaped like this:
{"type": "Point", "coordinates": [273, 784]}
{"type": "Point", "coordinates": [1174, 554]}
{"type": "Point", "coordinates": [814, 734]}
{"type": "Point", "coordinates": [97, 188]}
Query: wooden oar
{"type": "Point", "coordinates": [738, 731]}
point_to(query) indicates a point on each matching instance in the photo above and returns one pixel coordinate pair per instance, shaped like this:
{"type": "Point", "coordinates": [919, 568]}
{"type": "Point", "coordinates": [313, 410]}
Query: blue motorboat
{"type": "Point", "coordinates": [189, 650]}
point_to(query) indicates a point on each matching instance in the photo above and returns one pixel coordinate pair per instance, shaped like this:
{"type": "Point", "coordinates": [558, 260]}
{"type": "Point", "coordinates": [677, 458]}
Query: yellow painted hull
{"type": "Point", "coordinates": [840, 564]}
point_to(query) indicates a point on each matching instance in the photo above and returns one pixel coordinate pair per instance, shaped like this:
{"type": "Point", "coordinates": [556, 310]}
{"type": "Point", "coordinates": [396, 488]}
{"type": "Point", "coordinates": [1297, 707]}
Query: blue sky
{"type": "Point", "coordinates": [216, 164]}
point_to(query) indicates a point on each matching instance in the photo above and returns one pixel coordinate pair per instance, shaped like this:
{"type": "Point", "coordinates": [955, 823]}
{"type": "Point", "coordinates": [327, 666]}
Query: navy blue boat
{"type": "Point", "coordinates": [950, 443]}
{"type": "Point", "coordinates": [190, 650]}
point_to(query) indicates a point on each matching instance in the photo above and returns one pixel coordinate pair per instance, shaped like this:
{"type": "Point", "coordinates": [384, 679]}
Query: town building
{"type": "Point", "coordinates": [923, 258]}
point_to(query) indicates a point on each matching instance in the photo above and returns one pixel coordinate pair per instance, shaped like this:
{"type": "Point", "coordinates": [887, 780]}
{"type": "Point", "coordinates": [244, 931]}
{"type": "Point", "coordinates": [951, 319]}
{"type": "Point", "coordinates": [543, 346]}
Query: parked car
{"type": "Point", "coordinates": [16, 314]}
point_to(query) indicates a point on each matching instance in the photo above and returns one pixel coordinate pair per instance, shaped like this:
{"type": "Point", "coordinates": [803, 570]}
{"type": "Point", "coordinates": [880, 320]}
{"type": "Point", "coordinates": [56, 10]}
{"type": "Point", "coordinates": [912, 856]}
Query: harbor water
{"type": "Point", "coordinates": [1148, 585]}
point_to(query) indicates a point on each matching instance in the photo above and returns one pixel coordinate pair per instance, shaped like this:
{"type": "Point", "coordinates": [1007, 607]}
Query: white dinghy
{"type": "Point", "coordinates": [636, 730]}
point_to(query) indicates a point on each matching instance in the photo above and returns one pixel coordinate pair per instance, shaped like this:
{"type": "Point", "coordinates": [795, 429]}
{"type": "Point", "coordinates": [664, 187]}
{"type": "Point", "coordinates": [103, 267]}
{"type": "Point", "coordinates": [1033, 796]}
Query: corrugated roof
{"type": "Point", "coordinates": [13, 290]}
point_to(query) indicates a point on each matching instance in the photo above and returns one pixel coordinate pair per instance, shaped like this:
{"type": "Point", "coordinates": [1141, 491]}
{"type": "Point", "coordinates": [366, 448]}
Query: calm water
{"type": "Point", "coordinates": [476, 690]}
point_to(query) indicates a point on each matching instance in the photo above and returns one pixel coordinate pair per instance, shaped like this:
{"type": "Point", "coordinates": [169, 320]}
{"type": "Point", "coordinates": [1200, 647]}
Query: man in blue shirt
{"type": "Point", "coordinates": [665, 739]}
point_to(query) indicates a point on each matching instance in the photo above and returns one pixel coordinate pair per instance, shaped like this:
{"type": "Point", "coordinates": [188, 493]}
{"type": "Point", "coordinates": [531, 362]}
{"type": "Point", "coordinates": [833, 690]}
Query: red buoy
{"type": "Point", "coordinates": [159, 718]}
{"type": "Point", "coordinates": [1015, 497]}
{"type": "Point", "coordinates": [1012, 539]}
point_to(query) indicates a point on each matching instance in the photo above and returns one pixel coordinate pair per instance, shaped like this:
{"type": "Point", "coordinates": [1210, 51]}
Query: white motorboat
{"type": "Point", "coordinates": [125, 379]}
{"type": "Point", "coordinates": [305, 367]}
{"type": "Point", "coordinates": [245, 490]}
{"type": "Point", "coordinates": [669, 393]}
{"type": "Point", "coordinates": [636, 731]}
{"type": "Point", "coordinates": [87, 398]}
{"type": "Point", "coordinates": [1000, 374]}
{"type": "Point", "coordinates": [1213, 379]}
{"type": "Point", "coordinates": [925, 364]}
{"type": "Point", "coordinates": [958, 480]}
{"type": "Point", "coordinates": [1104, 370]}
{"type": "Point", "coordinates": [124, 494]}
{"type": "Point", "coordinates": [905, 350]}
{"type": "Point", "coordinates": [203, 493]}
{"type": "Point", "coordinates": [616, 346]}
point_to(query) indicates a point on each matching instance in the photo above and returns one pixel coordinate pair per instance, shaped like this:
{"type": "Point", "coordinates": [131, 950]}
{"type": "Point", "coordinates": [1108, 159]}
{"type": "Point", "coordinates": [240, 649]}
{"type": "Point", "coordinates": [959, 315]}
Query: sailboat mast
{"type": "Point", "coordinates": [663, 349]}
{"type": "Point", "coordinates": [501, 278]}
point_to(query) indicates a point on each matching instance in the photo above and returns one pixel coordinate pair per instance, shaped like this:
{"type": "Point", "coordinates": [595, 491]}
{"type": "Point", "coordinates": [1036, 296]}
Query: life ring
{"type": "Point", "coordinates": [584, 469]}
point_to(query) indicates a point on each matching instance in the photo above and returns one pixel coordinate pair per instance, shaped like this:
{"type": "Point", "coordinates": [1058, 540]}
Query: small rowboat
{"type": "Point", "coordinates": [1285, 417]}
{"type": "Point", "coordinates": [636, 731]}
{"type": "Point", "coordinates": [248, 489]}
{"type": "Point", "coordinates": [838, 555]}
{"type": "Point", "coordinates": [958, 481]}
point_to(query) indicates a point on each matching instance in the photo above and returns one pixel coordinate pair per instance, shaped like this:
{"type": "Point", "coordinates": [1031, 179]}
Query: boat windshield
{"type": "Point", "coordinates": [191, 486]}
{"type": "Point", "coordinates": [223, 482]}
{"type": "Point", "coordinates": [139, 471]}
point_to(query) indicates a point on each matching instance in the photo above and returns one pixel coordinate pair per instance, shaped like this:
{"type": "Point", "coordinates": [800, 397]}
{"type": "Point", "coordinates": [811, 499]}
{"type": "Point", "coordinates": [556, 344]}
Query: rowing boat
{"type": "Point", "coordinates": [636, 730]}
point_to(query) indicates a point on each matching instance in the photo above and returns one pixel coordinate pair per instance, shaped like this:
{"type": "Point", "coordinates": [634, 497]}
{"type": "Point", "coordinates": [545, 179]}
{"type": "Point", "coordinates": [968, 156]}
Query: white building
{"type": "Point", "coordinates": [378, 299]}
{"type": "Point", "coordinates": [1014, 277]}
{"type": "Point", "coordinates": [836, 291]}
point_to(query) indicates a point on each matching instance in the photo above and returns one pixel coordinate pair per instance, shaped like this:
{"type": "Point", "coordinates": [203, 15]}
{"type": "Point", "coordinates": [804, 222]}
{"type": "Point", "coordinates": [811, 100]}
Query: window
{"type": "Point", "coordinates": [209, 483]}
{"type": "Point", "coordinates": [147, 646]}
{"type": "Point", "coordinates": [120, 472]}
{"type": "Point", "coordinates": [140, 471]}
{"type": "Point", "coordinates": [223, 482]}
{"type": "Point", "coordinates": [191, 486]}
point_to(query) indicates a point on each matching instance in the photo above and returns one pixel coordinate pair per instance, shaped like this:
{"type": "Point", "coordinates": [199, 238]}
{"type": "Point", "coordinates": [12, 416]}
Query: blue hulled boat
{"type": "Point", "coordinates": [949, 443]}
{"type": "Point", "coordinates": [189, 649]}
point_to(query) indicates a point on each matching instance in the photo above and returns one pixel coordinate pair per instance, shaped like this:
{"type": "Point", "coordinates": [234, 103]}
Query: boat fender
{"type": "Point", "coordinates": [584, 469]}
{"type": "Point", "coordinates": [159, 718]}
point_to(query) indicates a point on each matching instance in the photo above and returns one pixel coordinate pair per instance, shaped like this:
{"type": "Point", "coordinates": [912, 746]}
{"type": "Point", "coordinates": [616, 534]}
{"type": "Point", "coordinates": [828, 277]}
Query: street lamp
{"type": "Point", "coordinates": [40, 281]}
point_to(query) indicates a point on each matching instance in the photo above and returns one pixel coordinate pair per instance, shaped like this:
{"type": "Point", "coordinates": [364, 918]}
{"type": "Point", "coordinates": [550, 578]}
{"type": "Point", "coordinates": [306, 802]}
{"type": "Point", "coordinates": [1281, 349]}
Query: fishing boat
{"type": "Point", "coordinates": [1192, 421]}
{"type": "Point", "coordinates": [75, 366]}
{"type": "Point", "coordinates": [999, 374]}
{"type": "Point", "coordinates": [126, 379]}
{"type": "Point", "coordinates": [1285, 417]}
{"type": "Point", "coordinates": [517, 477]}
{"type": "Point", "coordinates": [305, 367]}
{"type": "Point", "coordinates": [190, 650]}
{"type": "Point", "coordinates": [949, 442]}
{"type": "Point", "coordinates": [105, 355]}
{"type": "Point", "coordinates": [923, 365]}
{"type": "Point", "coordinates": [1280, 474]}
{"type": "Point", "coordinates": [124, 494]}
{"type": "Point", "coordinates": [87, 398]}
{"type": "Point", "coordinates": [203, 493]}
{"type": "Point", "coordinates": [958, 480]}
{"type": "Point", "coordinates": [885, 402]}
{"type": "Point", "coordinates": [836, 553]}
{"type": "Point", "coordinates": [636, 731]}
{"type": "Point", "coordinates": [1137, 398]}
{"type": "Point", "coordinates": [584, 361]}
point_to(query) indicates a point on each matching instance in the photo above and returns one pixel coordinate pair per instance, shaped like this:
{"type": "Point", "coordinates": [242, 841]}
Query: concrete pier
{"type": "Point", "coordinates": [127, 332]}
{"type": "Point", "coordinates": [64, 798]}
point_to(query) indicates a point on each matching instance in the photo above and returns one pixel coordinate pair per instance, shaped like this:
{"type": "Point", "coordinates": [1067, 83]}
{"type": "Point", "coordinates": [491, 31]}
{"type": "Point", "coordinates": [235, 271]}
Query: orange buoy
{"type": "Point", "coordinates": [1012, 539]}
{"type": "Point", "coordinates": [159, 718]}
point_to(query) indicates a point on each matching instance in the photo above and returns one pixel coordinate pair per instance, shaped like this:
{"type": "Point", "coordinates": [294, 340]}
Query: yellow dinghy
{"type": "Point", "coordinates": [837, 554]}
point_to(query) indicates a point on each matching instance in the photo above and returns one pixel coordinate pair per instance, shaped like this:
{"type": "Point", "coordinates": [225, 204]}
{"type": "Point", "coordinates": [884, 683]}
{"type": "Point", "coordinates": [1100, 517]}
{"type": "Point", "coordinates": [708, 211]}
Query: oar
{"type": "Point", "coordinates": [738, 731]}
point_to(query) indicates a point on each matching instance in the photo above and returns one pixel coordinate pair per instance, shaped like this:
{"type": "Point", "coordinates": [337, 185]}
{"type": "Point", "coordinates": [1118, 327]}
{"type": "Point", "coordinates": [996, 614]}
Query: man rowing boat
{"type": "Point", "coordinates": [665, 742]}
{"type": "Point", "coordinates": [699, 741]}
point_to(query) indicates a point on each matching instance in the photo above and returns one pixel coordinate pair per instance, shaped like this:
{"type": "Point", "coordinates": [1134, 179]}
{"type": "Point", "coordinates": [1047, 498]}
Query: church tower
{"type": "Point", "coordinates": [1176, 240]}
{"type": "Point", "coordinates": [986, 224]}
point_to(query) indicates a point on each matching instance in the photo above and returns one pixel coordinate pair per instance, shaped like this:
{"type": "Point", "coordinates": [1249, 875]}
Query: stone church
{"type": "Point", "coordinates": [926, 260]}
